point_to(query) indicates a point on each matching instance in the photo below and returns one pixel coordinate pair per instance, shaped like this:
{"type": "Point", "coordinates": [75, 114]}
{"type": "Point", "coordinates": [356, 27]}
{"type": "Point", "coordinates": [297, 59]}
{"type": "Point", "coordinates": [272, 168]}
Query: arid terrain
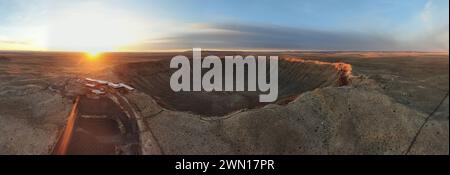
{"type": "Point", "coordinates": [329, 103]}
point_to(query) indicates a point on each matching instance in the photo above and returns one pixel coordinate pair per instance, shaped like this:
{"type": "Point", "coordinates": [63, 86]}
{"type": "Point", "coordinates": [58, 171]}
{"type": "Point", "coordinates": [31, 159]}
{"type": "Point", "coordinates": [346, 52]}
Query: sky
{"type": "Point", "coordinates": [154, 25]}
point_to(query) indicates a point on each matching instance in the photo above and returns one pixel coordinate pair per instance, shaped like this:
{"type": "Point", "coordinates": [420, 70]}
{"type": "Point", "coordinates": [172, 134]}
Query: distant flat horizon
{"type": "Point", "coordinates": [217, 50]}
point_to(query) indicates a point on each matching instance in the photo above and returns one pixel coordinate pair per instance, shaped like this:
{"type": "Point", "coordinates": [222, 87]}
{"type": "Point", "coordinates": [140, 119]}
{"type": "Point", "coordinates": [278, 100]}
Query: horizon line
{"type": "Point", "coordinates": [230, 50]}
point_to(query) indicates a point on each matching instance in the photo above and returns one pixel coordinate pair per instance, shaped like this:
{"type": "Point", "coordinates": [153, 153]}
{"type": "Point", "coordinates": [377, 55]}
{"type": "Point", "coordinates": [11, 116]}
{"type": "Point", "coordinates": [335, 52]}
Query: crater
{"type": "Point", "coordinates": [295, 76]}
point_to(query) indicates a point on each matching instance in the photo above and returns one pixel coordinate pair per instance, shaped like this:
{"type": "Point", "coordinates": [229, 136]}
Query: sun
{"type": "Point", "coordinates": [93, 55]}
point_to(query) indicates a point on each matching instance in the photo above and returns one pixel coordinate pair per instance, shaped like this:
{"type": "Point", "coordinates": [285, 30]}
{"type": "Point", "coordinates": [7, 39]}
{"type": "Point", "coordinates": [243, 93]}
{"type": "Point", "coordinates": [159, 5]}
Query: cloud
{"type": "Point", "coordinates": [436, 38]}
{"type": "Point", "coordinates": [243, 36]}
{"type": "Point", "coordinates": [426, 13]}
{"type": "Point", "coordinates": [13, 42]}
{"type": "Point", "coordinates": [14, 45]}
{"type": "Point", "coordinates": [20, 42]}
{"type": "Point", "coordinates": [435, 32]}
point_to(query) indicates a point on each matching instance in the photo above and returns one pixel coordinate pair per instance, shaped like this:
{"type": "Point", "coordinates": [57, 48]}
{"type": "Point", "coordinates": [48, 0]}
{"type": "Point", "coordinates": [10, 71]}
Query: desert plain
{"type": "Point", "coordinates": [329, 103]}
